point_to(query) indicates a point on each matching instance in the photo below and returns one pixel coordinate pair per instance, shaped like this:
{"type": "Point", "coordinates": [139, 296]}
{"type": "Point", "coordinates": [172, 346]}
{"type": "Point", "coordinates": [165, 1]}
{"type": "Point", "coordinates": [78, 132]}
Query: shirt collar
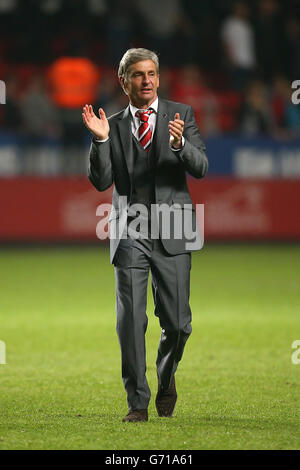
{"type": "Point", "coordinates": [133, 109]}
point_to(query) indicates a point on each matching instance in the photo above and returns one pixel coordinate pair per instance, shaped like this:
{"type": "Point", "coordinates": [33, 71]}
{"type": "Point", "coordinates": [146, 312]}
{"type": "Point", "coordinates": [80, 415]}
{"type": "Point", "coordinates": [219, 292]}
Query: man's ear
{"type": "Point", "coordinates": [123, 84]}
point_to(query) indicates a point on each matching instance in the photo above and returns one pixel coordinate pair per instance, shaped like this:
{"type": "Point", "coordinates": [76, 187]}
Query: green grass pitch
{"type": "Point", "coordinates": [237, 386]}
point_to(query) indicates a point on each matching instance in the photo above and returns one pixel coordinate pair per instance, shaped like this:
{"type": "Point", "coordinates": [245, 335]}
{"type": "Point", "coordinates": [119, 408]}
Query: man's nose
{"type": "Point", "coordinates": [146, 79]}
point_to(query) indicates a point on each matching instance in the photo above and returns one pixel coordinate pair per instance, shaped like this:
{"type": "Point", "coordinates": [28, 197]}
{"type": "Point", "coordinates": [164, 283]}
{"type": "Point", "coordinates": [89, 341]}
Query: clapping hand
{"type": "Point", "coordinates": [176, 130]}
{"type": "Point", "coordinates": [99, 126]}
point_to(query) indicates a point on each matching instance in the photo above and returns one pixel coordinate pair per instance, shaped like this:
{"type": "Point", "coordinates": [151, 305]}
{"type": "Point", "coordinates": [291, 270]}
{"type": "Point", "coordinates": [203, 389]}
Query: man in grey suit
{"type": "Point", "coordinates": [146, 150]}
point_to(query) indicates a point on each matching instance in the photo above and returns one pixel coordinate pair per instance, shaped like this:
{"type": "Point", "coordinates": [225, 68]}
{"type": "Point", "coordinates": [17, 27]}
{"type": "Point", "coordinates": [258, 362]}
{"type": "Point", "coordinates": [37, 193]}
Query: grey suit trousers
{"type": "Point", "coordinates": [170, 276]}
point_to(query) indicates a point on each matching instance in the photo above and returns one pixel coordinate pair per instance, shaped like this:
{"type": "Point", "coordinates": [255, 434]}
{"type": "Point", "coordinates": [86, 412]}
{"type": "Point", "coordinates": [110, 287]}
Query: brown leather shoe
{"type": "Point", "coordinates": [166, 399]}
{"type": "Point", "coordinates": [136, 415]}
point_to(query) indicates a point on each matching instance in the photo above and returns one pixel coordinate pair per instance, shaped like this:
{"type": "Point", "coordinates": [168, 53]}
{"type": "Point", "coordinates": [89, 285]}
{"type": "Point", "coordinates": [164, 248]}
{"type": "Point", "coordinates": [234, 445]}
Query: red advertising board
{"type": "Point", "coordinates": [48, 209]}
{"type": "Point", "coordinates": [249, 208]}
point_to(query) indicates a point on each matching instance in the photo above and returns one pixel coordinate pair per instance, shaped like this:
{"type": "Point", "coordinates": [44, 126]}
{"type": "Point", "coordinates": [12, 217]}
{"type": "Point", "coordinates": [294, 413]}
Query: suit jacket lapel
{"type": "Point", "coordinates": [161, 140]}
{"type": "Point", "coordinates": [124, 126]}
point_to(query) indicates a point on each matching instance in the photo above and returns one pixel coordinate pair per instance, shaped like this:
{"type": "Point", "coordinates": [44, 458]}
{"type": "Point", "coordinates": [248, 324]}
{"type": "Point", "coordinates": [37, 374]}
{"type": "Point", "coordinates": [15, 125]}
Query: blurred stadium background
{"type": "Point", "coordinates": [234, 62]}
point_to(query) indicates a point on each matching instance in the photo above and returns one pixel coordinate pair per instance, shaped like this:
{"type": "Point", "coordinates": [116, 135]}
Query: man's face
{"type": "Point", "coordinates": [142, 83]}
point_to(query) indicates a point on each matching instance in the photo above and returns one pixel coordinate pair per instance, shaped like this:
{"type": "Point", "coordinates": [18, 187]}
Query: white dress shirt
{"type": "Point", "coordinates": [135, 121]}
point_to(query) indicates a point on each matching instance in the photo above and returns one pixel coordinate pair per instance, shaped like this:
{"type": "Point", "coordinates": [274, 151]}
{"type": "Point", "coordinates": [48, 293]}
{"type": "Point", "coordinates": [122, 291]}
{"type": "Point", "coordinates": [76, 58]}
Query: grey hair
{"type": "Point", "coordinates": [134, 55]}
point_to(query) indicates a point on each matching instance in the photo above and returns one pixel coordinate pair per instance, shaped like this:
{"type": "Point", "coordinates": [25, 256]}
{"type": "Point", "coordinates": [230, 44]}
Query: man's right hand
{"type": "Point", "coordinates": [98, 126]}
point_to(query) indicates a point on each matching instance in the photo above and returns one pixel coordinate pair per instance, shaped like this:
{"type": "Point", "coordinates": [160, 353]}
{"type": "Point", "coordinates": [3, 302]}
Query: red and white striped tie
{"type": "Point", "coordinates": [144, 133]}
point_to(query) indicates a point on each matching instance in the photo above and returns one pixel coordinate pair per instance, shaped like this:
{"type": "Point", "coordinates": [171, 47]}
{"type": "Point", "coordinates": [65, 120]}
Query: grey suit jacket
{"type": "Point", "coordinates": [112, 162]}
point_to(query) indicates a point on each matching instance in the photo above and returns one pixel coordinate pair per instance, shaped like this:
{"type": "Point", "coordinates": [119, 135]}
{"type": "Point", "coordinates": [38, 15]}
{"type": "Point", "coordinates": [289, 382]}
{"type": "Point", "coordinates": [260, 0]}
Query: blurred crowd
{"type": "Point", "coordinates": [233, 61]}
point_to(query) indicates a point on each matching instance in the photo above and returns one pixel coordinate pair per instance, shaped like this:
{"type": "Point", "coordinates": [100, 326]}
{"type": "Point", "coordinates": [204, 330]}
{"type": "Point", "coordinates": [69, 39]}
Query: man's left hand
{"type": "Point", "coordinates": [176, 130]}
